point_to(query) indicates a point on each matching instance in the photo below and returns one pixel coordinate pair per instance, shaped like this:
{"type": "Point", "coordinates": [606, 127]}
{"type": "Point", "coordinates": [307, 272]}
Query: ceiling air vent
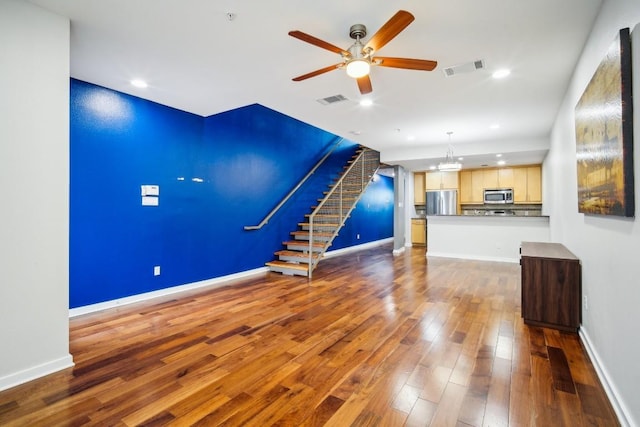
{"type": "Point", "coordinates": [332, 99]}
{"type": "Point", "coordinates": [464, 68]}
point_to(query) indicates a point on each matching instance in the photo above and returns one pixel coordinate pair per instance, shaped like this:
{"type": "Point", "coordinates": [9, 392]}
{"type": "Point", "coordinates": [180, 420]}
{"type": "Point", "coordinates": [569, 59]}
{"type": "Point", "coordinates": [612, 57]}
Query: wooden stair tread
{"type": "Point", "coordinates": [291, 265]}
{"type": "Point", "coordinates": [296, 254]}
{"type": "Point", "coordinates": [325, 216]}
{"type": "Point", "coordinates": [304, 243]}
{"type": "Point", "coordinates": [319, 224]}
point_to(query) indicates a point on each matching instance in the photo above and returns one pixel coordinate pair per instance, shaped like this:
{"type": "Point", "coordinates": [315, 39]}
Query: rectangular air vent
{"type": "Point", "coordinates": [332, 99]}
{"type": "Point", "coordinates": [464, 68]}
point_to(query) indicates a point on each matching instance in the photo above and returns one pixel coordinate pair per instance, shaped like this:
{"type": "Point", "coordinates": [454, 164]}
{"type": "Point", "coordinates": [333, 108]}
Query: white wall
{"type": "Point", "coordinates": [34, 172]}
{"type": "Point", "coordinates": [608, 247]}
{"type": "Point", "coordinates": [493, 238]}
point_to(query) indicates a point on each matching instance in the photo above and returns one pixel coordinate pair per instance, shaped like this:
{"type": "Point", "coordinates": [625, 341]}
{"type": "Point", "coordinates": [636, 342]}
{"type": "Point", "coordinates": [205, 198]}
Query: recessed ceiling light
{"type": "Point", "coordinates": [460, 159]}
{"type": "Point", "coordinates": [494, 126]}
{"type": "Point", "coordinates": [366, 102]}
{"type": "Point", "coordinates": [498, 155]}
{"type": "Point", "coordinates": [411, 138]}
{"type": "Point", "coordinates": [432, 167]}
{"type": "Point", "coordinates": [502, 73]}
{"type": "Point", "coordinates": [139, 83]}
{"type": "Point", "coordinates": [501, 162]}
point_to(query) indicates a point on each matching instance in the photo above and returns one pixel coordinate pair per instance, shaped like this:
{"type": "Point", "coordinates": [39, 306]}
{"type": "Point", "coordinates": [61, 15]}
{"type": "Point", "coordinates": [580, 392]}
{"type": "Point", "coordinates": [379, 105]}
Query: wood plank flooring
{"type": "Point", "coordinates": [372, 340]}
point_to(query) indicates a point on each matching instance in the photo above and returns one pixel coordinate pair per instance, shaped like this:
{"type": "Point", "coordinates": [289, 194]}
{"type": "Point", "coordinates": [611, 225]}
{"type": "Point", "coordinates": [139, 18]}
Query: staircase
{"type": "Point", "coordinates": [314, 236]}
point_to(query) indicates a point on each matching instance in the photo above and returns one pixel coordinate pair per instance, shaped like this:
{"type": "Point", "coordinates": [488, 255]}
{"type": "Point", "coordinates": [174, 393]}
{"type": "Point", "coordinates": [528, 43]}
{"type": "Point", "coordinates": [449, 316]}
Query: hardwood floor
{"type": "Point", "coordinates": [372, 340]}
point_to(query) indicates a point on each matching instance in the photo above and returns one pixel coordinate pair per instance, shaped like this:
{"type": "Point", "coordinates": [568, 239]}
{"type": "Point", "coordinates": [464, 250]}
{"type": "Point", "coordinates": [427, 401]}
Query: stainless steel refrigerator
{"type": "Point", "coordinates": [442, 202]}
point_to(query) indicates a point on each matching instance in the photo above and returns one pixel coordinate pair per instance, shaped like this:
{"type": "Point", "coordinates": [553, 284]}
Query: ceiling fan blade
{"type": "Point", "coordinates": [408, 63]}
{"type": "Point", "coordinates": [390, 29]}
{"type": "Point", "coordinates": [316, 72]}
{"type": "Point", "coordinates": [317, 42]}
{"type": "Point", "coordinates": [364, 84]}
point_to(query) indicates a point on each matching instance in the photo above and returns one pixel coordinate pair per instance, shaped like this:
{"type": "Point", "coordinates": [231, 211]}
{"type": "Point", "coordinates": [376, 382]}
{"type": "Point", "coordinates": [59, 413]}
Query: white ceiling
{"type": "Point", "coordinates": [197, 59]}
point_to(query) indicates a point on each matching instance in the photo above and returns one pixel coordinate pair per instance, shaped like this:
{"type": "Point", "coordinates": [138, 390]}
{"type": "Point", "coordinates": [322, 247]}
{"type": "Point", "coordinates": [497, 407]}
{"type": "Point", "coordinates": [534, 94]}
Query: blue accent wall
{"type": "Point", "coordinates": [216, 174]}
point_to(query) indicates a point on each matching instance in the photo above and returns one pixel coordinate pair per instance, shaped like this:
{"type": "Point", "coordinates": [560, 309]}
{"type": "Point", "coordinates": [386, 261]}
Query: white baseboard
{"type": "Point", "coordinates": [472, 257]}
{"type": "Point", "coordinates": [218, 281]}
{"type": "Point", "coordinates": [624, 416]}
{"type": "Point", "coordinates": [400, 251]}
{"type": "Point", "coordinates": [350, 249]}
{"type": "Point", "coordinates": [32, 373]}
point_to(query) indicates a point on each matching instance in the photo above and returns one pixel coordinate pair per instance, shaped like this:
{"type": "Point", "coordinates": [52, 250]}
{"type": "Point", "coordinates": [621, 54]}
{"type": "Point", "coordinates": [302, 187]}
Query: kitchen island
{"type": "Point", "coordinates": [483, 237]}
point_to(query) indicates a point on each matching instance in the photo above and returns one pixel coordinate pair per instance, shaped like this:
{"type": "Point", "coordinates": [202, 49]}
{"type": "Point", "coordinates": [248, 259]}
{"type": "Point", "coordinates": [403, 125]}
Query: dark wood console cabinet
{"type": "Point", "coordinates": [551, 286]}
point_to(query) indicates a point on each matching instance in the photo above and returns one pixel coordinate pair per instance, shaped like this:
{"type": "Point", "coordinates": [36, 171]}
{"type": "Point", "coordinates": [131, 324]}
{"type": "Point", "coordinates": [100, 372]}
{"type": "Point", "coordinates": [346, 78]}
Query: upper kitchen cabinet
{"type": "Point", "coordinates": [441, 180]}
{"type": "Point", "coordinates": [498, 178]}
{"type": "Point", "coordinates": [418, 188]}
{"type": "Point", "coordinates": [471, 186]}
{"type": "Point", "coordinates": [527, 186]}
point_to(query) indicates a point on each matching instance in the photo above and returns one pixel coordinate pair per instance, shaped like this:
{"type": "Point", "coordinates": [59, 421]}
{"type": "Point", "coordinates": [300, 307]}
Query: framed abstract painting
{"type": "Point", "coordinates": [604, 135]}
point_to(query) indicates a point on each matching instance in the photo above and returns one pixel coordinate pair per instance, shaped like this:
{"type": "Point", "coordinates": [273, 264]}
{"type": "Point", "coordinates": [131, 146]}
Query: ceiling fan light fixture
{"type": "Point", "coordinates": [357, 68]}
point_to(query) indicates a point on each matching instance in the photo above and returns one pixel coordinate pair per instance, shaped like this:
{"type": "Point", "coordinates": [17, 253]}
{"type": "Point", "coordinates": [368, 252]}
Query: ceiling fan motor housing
{"type": "Point", "coordinates": [357, 31]}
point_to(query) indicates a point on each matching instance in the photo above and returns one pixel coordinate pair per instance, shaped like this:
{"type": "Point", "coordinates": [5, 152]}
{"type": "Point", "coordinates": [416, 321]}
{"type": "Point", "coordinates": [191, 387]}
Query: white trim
{"type": "Point", "coordinates": [400, 251]}
{"type": "Point", "coordinates": [350, 249]}
{"type": "Point", "coordinates": [623, 413]}
{"type": "Point", "coordinates": [215, 282]}
{"type": "Point", "coordinates": [35, 372]}
{"type": "Point", "coordinates": [472, 257]}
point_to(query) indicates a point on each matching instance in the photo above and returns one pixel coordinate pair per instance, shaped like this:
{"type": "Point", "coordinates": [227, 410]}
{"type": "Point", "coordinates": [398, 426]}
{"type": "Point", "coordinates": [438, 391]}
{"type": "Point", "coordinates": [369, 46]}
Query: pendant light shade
{"type": "Point", "coordinates": [449, 164]}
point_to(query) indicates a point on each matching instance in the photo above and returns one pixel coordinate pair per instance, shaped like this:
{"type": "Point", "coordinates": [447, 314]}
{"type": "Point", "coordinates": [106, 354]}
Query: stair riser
{"type": "Point", "coordinates": [301, 260]}
{"type": "Point", "coordinates": [319, 228]}
{"type": "Point", "coordinates": [288, 272]}
{"type": "Point", "coordinates": [302, 247]}
{"type": "Point", "coordinates": [315, 238]}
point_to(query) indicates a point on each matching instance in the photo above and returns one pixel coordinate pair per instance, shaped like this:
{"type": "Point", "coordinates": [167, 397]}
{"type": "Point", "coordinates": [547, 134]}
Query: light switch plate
{"type": "Point", "coordinates": [149, 201]}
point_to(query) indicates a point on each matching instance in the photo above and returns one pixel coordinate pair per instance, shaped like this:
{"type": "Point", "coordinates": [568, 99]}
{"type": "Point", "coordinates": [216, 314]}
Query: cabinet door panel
{"type": "Point", "coordinates": [450, 180]}
{"type": "Point", "coordinates": [433, 181]}
{"type": "Point", "coordinates": [418, 188]}
{"type": "Point", "coordinates": [505, 178]}
{"type": "Point", "coordinates": [520, 185]}
{"type": "Point", "coordinates": [418, 232]}
{"type": "Point", "coordinates": [477, 182]}
{"type": "Point", "coordinates": [490, 178]}
{"type": "Point", "coordinates": [466, 187]}
{"type": "Point", "coordinates": [534, 184]}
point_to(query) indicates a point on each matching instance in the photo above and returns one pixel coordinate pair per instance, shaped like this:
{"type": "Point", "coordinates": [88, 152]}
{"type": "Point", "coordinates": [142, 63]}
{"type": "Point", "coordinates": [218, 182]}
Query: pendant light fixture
{"type": "Point", "coordinates": [449, 165]}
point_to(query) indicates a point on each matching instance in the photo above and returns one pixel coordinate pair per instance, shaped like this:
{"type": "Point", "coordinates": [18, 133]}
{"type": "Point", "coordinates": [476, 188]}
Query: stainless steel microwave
{"type": "Point", "coordinates": [498, 196]}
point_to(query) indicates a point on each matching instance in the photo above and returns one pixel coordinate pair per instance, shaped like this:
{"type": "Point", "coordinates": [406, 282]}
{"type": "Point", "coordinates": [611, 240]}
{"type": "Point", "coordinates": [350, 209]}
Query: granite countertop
{"type": "Point", "coordinates": [487, 216]}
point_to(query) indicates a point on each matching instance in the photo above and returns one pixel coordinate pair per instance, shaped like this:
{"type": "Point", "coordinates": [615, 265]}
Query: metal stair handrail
{"type": "Point", "coordinates": [358, 161]}
{"type": "Point", "coordinates": [292, 192]}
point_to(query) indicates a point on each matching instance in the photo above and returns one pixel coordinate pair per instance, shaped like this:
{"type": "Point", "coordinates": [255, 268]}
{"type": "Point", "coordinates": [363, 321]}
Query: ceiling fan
{"type": "Point", "coordinates": [358, 58]}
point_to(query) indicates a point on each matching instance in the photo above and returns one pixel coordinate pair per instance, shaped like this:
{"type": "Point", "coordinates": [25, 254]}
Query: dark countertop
{"type": "Point", "coordinates": [487, 216]}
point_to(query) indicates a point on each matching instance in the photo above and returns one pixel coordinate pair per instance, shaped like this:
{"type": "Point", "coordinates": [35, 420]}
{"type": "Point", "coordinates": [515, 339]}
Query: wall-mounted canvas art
{"type": "Point", "coordinates": [604, 135]}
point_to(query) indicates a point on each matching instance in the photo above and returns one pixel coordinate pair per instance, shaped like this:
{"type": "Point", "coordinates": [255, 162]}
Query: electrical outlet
{"type": "Point", "coordinates": [357, 236]}
{"type": "Point", "coordinates": [585, 302]}
{"type": "Point", "coordinates": [156, 270]}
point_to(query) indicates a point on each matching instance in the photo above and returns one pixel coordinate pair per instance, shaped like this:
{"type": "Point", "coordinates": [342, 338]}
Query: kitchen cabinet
{"type": "Point", "coordinates": [498, 178]}
{"type": "Point", "coordinates": [418, 232]}
{"type": "Point", "coordinates": [418, 188]}
{"type": "Point", "coordinates": [505, 178]}
{"type": "Point", "coordinates": [551, 286]}
{"type": "Point", "coordinates": [527, 186]}
{"type": "Point", "coordinates": [471, 186]}
{"type": "Point", "coordinates": [441, 180]}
